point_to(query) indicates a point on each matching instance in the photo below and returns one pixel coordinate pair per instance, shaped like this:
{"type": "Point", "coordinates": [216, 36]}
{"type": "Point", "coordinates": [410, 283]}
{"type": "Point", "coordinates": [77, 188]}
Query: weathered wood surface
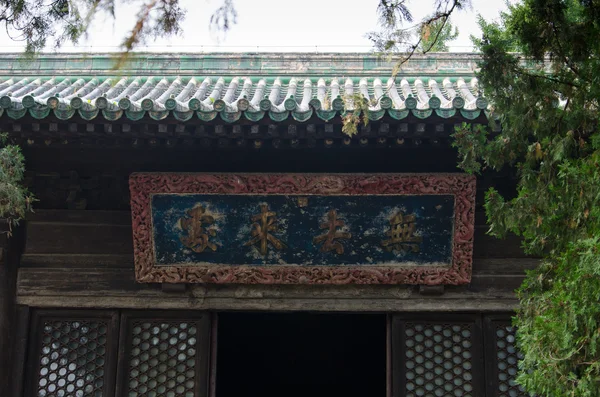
{"type": "Point", "coordinates": [98, 290]}
{"type": "Point", "coordinates": [85, 259]}
{"type": "Point", "coordinates": [9, 252]}
{"type": "Point", "coordinates": [21, 332]}
{"type": "Point", "coordinates": [6, 310]}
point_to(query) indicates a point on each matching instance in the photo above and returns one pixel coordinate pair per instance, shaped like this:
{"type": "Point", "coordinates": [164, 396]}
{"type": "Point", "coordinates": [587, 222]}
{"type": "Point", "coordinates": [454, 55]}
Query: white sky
{"type": "Point", "coordinates": [274, 25]}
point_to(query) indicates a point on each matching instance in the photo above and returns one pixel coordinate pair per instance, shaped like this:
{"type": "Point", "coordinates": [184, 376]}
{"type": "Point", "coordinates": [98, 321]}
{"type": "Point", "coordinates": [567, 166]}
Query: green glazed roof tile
{"type": "Point", "coordinates": [188, 83]}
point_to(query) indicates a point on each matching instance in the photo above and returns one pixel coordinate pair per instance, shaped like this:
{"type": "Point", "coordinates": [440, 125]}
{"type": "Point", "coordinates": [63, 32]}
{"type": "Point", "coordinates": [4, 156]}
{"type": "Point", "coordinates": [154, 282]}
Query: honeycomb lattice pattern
{"type": "Point", "coordinates": [508, 357]}
{"type": "Point", "coordinates": [72, 358]}
{"type": "Point", "coordinates": [438, 360]}
{"type": "Point", "coordinates": [162, 359]}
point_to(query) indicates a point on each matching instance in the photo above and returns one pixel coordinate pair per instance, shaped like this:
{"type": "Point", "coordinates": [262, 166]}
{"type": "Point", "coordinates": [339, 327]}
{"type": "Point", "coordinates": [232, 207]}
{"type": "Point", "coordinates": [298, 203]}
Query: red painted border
{"type": "Point", "coordinates": [142, 185]}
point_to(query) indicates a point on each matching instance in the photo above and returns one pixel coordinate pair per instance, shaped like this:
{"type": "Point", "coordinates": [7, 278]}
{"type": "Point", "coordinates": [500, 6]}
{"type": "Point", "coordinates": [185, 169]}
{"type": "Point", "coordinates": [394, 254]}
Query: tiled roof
{"type": "Point", "coordinates": [248, 90]}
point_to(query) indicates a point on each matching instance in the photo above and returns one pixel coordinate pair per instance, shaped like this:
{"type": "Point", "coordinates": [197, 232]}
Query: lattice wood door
{"type": "Point", "coordinates": [164, 354]}
{"type": "Point", "coordinates": [73, 353]}
{"type": "Point", "coordinates": [437, 356]}
{"type": "Point", "coordinates": [76, 353]}
{"type": "Point", "coordinates": [501, 357]}
{"type": "Point", "coordinates": [100, 353]}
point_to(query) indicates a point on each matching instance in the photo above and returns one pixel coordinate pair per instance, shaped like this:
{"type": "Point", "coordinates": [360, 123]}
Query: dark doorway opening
{"type": "Point", "coordinates": [303, 354]}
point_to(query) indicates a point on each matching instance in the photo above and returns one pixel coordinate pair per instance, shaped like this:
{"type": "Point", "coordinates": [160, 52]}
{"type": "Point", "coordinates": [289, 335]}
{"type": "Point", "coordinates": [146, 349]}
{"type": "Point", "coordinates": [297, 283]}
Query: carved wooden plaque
{"type": "Point", "coordinates": [303, 228]}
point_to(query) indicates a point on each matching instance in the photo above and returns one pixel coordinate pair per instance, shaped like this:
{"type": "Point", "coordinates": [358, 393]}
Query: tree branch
{"type": "Point", "coordinates": [445, 15]}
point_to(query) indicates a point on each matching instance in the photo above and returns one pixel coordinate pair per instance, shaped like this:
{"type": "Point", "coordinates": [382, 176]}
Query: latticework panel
{"type": "Point", "coordinates": [163, 357]}
{"type": "Point", "coordinates": [504, 359]}
{"type": "Point", "coordinates": [508, 358]}
{"type": "Point", "coordinates": [72, 356]}
{"type": "Point", "coordinates": [438, 360]}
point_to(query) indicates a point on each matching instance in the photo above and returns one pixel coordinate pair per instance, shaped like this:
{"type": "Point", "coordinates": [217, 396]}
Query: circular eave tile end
{"type": "Point", "coordinates": [385, 102]}
{"type": "Point", "coordinates": [124, 103]}
{"type": "Point", "coordinates": [243, 104]}
{"type": "Point", "coordinates": [411, 103]}
{"type": "Point", "coordinates": [458, 103]}
{"type": "Point", "coordinates": [337, 104]}
{"type": "Point", "coordinates": [28, 101]}
{"type": "Point", "coordinates": [194, 104]}
{"type": "Point", "coordinates": [147, 104]}
{"type": "Point", "coordinates": [52, 102]}
{"type": "Point", "coordinates": [315, 104]}
{"type": "Point", "coordinates": [219, 105]}
{"type": "Point", "coordinates": [265, 104]}
{"type": "Point", "coordinates": [290, 104]}
{"type": "Point", "coordinates": [434, 103]}
{"type": "Point", "coordinates": [170, 104]}
{"type": "Point", "coordinates": [101, 103]}
{"type": "Point", "coordinates": [76, 103]}
{"type": "Point", "coordinates": [5, 102]}
{"type": "Point", "coordinates": [481, 103]}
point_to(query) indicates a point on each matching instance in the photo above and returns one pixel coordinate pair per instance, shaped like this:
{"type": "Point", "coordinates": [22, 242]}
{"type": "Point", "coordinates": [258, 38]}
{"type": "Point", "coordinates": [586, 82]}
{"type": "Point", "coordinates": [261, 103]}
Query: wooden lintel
{"type": "Point", "coordinates": [431, 290]}
{"type": "Point", "coordinates": [173, 288]}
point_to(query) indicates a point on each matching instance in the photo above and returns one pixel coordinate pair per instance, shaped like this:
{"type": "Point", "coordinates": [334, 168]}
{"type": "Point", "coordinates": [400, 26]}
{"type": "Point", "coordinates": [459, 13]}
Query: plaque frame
{"type": "Point", "coordinates": [461, 186]}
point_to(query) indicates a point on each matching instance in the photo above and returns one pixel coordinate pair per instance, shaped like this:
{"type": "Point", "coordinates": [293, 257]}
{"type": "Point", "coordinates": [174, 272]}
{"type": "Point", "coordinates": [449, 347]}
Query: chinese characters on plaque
{"type": "Point", "coordinates": [314, 230]}
{"type": "Point", "coordinates": [329, 238]}
{"type": "Point", "coordinates": [195, 235]}
{"type": "Point", "coordinates": [402, 234]}
{"type": "Point", "coordinates": [303, 228]}
{"type": "Point", "coordinates": [264, 224]}
{"type": "Point", "coordinates": [196, 230]}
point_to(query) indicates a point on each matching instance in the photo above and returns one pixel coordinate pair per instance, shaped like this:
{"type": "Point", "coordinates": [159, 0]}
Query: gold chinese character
{"type": "Point", "coordinates": [401, 233]}
{"type": "Point", "coordinates": [264, 223]}
{"type": "Point", "coordinates": [332, 234]}
{"type": "Point", "coordinates": [195, 227]}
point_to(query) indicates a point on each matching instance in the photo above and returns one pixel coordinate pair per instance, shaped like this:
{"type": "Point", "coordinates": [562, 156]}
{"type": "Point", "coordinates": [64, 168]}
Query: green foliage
{"type": "Point", "coordinates": [15, 200]}
{"type": "Point", "coordinates": [546, 101]}
{"type": "Point", "coordinates": [559, 323]}
{"type": "Point", "coordinates": [351, 119]}
{"type": "Point", "coordinates": [429, 35]}
{"type": "Point", "coordinates": [470, 140]}
{"type": "Point", "coordinates": [434, 37]}
{"type": "Point", "coordinates": [432, 34]}
{"type": "Point", "coordinates": [38, 23]}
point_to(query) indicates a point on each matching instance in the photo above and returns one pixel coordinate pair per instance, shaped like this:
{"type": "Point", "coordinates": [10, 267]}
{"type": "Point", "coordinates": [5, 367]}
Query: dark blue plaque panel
{"type": "Point", "coordinates": [364, 230]}
{"type": "Point", "coordinates": [303, 228]}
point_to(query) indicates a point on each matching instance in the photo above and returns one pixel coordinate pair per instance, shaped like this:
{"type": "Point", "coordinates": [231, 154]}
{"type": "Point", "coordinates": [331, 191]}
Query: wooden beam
{"type": "Point", "coordinates": [116, 288]}
{"type": "Point", "coordinates": [431, 290]}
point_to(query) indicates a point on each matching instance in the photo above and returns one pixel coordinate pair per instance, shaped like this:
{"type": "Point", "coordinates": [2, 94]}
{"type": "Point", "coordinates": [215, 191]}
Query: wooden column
{"type": "Point", "coordinates": [8, 274]}
{"type": "Point", "coordinates": [5, 310]}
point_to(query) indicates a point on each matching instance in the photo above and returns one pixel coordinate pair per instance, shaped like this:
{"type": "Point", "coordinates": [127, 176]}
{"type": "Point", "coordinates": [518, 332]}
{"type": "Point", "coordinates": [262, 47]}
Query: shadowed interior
{"type": "Point", "coordinates": [301, 355]}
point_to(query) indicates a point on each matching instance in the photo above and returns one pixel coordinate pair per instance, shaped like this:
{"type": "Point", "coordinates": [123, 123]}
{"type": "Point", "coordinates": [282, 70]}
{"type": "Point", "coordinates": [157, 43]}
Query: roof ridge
{"type": "Point", "coordinates": [246, 64]}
